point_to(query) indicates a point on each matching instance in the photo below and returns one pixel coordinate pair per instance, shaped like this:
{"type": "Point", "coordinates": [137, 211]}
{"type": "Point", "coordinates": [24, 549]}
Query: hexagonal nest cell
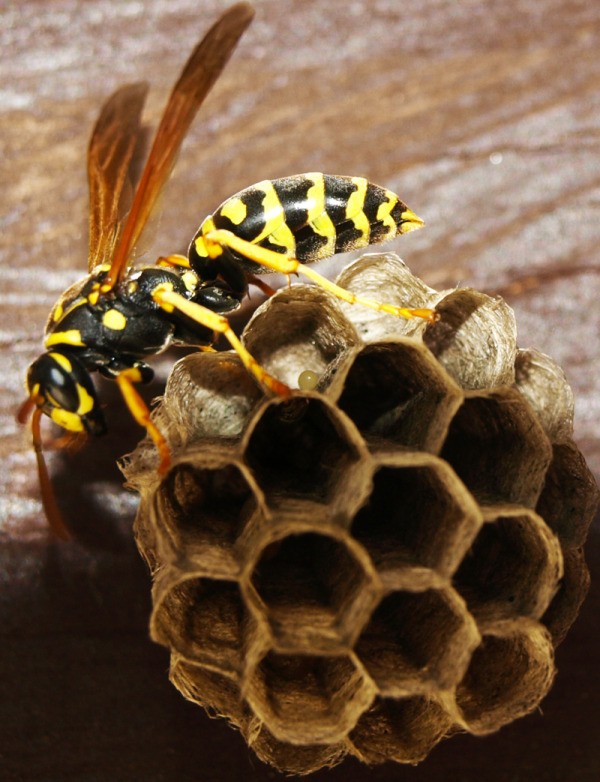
{"type": "Point", "coordinates": [309, 604]}
{"type": "Point", "coordinates": [372, 565]}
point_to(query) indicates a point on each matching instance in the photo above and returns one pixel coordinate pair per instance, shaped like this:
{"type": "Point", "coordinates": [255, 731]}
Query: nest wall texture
{"type": "Point", "coordinates": [386, 558]}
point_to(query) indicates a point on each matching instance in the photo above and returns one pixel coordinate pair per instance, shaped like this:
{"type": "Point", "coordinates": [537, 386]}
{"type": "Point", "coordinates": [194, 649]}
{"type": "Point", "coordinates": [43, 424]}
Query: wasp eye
{"type": "Point", "coordinates": [52, 376]}
{"type": "Point", "coordinates": [61, 391]}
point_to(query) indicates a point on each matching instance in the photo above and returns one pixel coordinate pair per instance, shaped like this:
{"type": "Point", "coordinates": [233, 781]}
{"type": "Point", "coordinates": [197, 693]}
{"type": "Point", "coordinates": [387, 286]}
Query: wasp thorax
{"type": "Point", "coordinates": [61, 386]}
{"type": "Point", "coordinates": [374, 565]}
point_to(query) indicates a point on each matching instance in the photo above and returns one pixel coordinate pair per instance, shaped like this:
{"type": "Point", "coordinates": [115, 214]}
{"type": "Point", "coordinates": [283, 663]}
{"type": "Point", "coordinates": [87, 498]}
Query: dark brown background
{"type": "Point", "coordinates": [483, 116]}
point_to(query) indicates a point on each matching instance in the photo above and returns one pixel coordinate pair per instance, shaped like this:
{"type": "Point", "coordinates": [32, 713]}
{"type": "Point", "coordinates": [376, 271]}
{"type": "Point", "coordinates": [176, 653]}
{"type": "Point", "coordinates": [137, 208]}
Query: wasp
{"type": "Point", "coordinates": [120, 314]}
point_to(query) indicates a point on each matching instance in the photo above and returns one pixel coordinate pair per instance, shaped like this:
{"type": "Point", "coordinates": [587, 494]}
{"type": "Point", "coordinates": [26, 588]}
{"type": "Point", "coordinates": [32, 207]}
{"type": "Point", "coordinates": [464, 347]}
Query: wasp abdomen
{"type": "Point", "coordinates": [311, 216]}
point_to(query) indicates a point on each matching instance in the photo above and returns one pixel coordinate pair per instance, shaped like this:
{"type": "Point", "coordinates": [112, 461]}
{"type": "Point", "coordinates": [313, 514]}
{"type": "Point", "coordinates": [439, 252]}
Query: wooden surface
{"type": "Point", "coordinates": [483, 116]}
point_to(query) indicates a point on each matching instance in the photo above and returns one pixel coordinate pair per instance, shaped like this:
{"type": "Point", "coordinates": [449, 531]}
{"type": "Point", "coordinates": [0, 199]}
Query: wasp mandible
{"type": "Point", "coordinates": [118, 315]}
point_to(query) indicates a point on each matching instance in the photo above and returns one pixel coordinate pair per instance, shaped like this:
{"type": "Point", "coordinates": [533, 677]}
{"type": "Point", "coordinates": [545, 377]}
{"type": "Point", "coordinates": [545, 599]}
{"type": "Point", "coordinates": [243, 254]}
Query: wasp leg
{"type": "Point", "coordinates": [139, 410]}
{"type": "Point", "coordinates": [260, 284]}
{"type": "Point", "coordinates": [173, 260]}
{"type": "Point", "coordinates": [170, 301]}
{"type": "Point", "coordinates": [51, 509]}
{"type": "Point", "coordinates": [181, 262]}
{"type": "Point", "coordinates": [220, 238]}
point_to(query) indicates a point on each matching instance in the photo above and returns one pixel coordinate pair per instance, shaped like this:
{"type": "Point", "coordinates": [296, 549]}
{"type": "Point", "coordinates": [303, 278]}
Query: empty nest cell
{"type": "Point", "coordinates": [418, 642]}
{"type": "Point", "coordinates": [215, 691]}
{"type": "Point", "coordinates": [203, 619]}
{"type": "Point", "coordinates": [507, 677]}
{"type": "Point", "coordinates": [570, 496]}
{"type": "Point", "coordinates": [565, 605]}
{"type": "Point", "coordinates": [397, 395]}
{"type": "Point", "coordinates": [400, 729]}
{"type": "Point", "coordinates": [308, 699]}
{"type": "Point", "coordinates": [205, 508]}
{"type": "Point", "coordinates": [512, 569]}
{"type": "Point", "coordinates": [498, 448]}
{"type": "Point", "coordinates": [315, 592]}
{"type": "Point", "coordinates": [300, 449]}
{"type": "Point", "coordinates": [293, 758]}
{"type": "Point", "coordinates": [418, 515]}
{"type": "Point", "coordinates": [544, 384]}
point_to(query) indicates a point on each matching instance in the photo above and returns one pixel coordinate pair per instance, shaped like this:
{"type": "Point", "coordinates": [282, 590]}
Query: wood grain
{"type": "Point", "coordinates": [484, 117]}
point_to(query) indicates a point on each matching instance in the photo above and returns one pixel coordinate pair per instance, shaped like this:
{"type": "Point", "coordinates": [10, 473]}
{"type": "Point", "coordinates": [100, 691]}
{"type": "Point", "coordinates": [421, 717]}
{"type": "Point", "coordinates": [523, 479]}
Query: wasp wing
{"type": "Point", "coordinates": [110, 154]}
{"type": "Point", "coordinates": [199, 74]}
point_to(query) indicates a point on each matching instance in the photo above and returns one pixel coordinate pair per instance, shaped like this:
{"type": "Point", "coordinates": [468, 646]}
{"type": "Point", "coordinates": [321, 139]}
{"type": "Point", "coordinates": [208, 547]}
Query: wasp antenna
{"type": "Point", "coordinates": [53, 514]}
{"type": "Point", "coordinates": [25, 410]}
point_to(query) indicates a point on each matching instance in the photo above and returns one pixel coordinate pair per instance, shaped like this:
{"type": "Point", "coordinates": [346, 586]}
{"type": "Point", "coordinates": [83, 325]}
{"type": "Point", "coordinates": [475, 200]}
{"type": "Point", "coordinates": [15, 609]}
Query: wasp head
{"type": "Point", "coordinates": [61, 387]}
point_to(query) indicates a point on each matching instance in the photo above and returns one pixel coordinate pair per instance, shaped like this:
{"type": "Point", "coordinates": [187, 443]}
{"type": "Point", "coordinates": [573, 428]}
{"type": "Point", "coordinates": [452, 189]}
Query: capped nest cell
{"type": "Point", "coordinates": [381, 561]}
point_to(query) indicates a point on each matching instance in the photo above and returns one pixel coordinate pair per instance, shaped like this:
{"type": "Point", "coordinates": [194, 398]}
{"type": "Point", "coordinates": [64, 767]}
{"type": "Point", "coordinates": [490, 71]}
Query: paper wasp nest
{"type": "Point", "coordinates": [383, 560]}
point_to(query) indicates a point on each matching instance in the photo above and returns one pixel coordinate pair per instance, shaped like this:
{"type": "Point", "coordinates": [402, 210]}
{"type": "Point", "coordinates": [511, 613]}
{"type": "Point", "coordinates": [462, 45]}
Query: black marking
{"type": "Point", "coordinates": [396, 213]}
{"type": "Point", "coordinates": [379, 232]}
{"type": "Point", "coordinates": [292, 192]}
{"type": "Point", "coordinates": [309, 244]}
{"type": "Point", "coordinates": [254, 222]}
{"type": "Point", "coordinates": [348, 237]}
{"type": "Point", "coordinates": [374, 197]}
{"type": "Point", "coordinates": [276, 248]}
{"type": "Point", "coordinates": [338, 190]}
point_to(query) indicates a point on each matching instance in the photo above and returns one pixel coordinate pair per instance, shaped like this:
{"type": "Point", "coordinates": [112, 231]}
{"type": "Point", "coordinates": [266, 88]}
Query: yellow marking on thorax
{"type": "Point", "coordinates": [59, 312]}
{"type": "Point", "coordinates": [318, 218]}
{"type": "Point", "coordinates": [384, 213]}
{"type": "Point", "coordinates": [114, 320]}
{"type": "Point", "coordinates": [355, 208]}
{"type": "Point", "coordinates": [234, 210]}
{"type": "Point", "coordinates": [190, 280]}
{"type": "Point", "coordinates": [70, 337]}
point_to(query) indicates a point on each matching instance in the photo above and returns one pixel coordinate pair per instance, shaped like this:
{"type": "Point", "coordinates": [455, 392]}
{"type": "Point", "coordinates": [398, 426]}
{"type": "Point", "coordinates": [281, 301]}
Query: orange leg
{"type": "Point", "coordinates": [218, 239]}
{"type": "Point", "coordinates": [170, 301]}
{"type": "Point", "coordinates": [260, 284]}
{"type": "Point", "coordinates": [182, 262]}
{"type": "Point", "coordinates": [139, 410]}
{"type": "Point", "coordinates": [173, 260]}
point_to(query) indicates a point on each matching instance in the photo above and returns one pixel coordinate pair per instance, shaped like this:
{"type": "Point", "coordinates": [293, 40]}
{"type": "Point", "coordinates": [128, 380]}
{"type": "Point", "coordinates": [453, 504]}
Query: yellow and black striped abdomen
{"type": "Point", "coordinates": [312, 216]}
